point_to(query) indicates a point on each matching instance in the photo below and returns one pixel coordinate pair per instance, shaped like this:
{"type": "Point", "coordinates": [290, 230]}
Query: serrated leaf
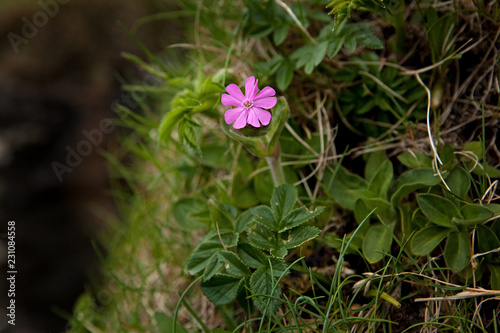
{"type": "Point", "coordinates": [300, 235]}
{"type": "Point", "coordinates": [438, 209]}
{"type": "Point", "coordinates": [282, 200]}
{"type": "Point", "coordinates": [262, 238]}
{"type": "Point", "coordinates": [213, 267]}
{"type": "Point", "coordinates": [228, 237]}
{"type": "Point", "coordinates": [297, 217]}
{"type": "Point", "coordinates": [457, 250]}
{"type": "Point", "coordinates": [221, 289]}
{"type": "Point", "coordinates": [234, 265]}
{"type": "Point", "coordinates": [201, 256]}
{"type": "Point", "coordinates": [251, 255]}
{"type": "Point", "coordinates": [267, 289]}
{"type": "Point", "coordinates": [265, 217]}
{"type": "Point", "coordinates": [280, 251]}
{"type": "Point", "coordinates": [244, 220]}
{"type": "Point", "coordinates": [222, 215]}
{"type": "Point", "coordinates": [473, 214]}
{"type": "Point", "coordinates": [425, 240]}
{"type": "Point", "coordinates": [377, 243]}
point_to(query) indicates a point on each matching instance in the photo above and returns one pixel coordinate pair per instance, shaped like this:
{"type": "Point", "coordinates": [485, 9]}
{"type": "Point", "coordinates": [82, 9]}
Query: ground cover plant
{"type": "Point", "coordinates": [309, 166]}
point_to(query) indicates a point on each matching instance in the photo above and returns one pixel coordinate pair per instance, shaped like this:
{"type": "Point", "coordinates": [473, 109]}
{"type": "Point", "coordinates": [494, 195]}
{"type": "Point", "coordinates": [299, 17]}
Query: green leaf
{"type": "Point", "coordinates": [495, 208]}
{"type": "Point", "coordinates": [263, 238]}
{"type": "Point", "coordinates": [280, 33]}
{"type": "Point", "coordinates": [244, 220]}
{"type": "Point", "coordinates": [415, 160]}
{"type": "Point", "coordinates": [282, 201]}
{"type": "Point", "coordinates": [222, 215]}
{"type": "Point", "coordinates": [191, 213]}
{"type": "Point", "coordinates": [300, 235]}
{"type": "Point", "coordinates": [473, 214]}
{"type": "Point", "coordinates": [284, 74]}
{"type": "Point", "coordinates": [411, 181]}
{"type": "Point", "coordinates": [252, 256]}
{"type": "Point", "coordinates": [459, 182]}
{"type": "Point", "coordinates": [201, 256]}
{"type": "Point", "coordinates": [221, 289]}
{"type": "Point", "coordinates": [265, 217]}
{"type": "Point", "coordinates": [487, 241]}
{"type": "Point", "coordinates": [227, 236]}
{"type": "Point", "coordinates": [438, 209]}
{"type": "Point", "coordinates": [234, 265]}
{"type": "Point", "coordinates": [297, 217]}
{"type": "Point", "coordinates": [343, 187]}
{"type": "Point", "coordinates": [495, 276]}
{"type": "Point", "coordinates": [425, 240]}
{"type": "Point", "coordinates": [169, 121]}
{"type": "Point", "coordinates": [279, 251]}
{"type": "Point", "coordinates": [213, 267]}
{"type": "Point", "coordinates": [189, 132]}
{"type": "Point", "coordinates": [457, 250]}
{"type": "Point", "coordinates": [377, 243]}
{"type": "Point", "coordinates": [165, 324]}
{"type": "Point", "coordinates": [266, 288]}
{"type": "Point", "coordinates": [380, 182]}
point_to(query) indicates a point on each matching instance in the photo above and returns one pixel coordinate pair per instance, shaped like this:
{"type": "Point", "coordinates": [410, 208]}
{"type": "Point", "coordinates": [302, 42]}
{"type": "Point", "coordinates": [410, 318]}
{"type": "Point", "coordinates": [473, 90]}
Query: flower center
{"type": "Point", "coordinates": [247, 104]}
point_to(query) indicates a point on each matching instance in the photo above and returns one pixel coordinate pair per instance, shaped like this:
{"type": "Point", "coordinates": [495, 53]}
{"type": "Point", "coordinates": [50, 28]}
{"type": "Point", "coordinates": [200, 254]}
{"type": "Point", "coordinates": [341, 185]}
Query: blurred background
{"type": "Point", "coordinates": [60, 74]}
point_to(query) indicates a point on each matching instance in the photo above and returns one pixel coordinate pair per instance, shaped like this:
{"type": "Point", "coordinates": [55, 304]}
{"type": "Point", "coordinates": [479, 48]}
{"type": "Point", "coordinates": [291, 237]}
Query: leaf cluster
{"type": "Point", "coordinates": [242, 257]}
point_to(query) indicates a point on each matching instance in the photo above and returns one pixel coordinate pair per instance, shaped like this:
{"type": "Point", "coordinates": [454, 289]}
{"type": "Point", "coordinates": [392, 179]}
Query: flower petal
{"type": "Point", "coordinates": [235, 92]}
{"type": "Point", "coordinates": [253, 118]}
{"type": "Point", "coordinates": [229, 100]}
{"type": "Point", "coordinates": [266, 92]}
{"type": "Point", "coordinates": [263, 115]}
{"type": "Point", "coordinates": [232, 114]}
{"type": "Point", "coordinates": [266, 102]}
{"type": "Point", "coordinates": [241, 121]}
{"type": "Point", "coordinates": [251, 88]}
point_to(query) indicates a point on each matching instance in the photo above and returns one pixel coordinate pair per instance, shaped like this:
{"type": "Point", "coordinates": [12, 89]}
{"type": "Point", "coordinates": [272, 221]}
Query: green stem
{"type": "Point", "coordinates": [274, 162]}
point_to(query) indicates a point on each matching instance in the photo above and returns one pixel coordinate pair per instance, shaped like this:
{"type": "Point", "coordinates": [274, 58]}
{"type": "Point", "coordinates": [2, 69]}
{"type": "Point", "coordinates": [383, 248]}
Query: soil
{"type": "Point", "coordinates": [58, 82]}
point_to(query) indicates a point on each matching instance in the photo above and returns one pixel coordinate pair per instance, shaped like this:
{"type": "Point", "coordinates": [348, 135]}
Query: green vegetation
{"type": "Point", "coordinates": [369, 203]}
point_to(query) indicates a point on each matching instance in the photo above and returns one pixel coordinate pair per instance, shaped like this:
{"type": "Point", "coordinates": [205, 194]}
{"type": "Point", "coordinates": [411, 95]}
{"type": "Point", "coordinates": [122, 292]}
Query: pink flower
{"type": "Point", "coordinates": [249, 107]}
